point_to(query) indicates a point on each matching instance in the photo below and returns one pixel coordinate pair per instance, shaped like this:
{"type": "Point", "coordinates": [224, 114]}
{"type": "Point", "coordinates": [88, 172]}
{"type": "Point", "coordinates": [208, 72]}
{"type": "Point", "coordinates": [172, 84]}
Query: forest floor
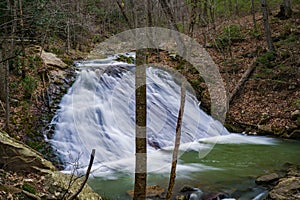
{"type": "Point", "coordinates": [268, 103]}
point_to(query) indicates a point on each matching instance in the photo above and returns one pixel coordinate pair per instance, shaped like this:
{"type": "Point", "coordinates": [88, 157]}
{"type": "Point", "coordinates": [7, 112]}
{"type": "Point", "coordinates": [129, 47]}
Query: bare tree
{"type": "Point", "coordinates": [177, 142]}
{"type": "Point", "coordinates": [253, 14]}
{"type": "Point", "coordinates": [266, 25]}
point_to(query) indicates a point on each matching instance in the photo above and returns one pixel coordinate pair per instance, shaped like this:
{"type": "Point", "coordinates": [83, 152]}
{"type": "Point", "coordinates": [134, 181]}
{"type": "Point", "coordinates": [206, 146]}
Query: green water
{"type": "Point", "coordinates": [236, 167]}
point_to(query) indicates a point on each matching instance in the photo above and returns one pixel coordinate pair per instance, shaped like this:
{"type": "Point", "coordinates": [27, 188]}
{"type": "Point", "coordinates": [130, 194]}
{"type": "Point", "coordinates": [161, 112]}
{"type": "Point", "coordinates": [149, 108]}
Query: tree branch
{"type": "Point", "coordinates": [86, 176]}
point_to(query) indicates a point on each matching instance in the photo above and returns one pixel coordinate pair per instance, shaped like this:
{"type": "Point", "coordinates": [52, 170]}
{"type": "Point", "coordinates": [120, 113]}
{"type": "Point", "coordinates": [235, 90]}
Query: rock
{"type": "Point", "coordinates": [152, 191]}
{"type": "Point", "coordinates": [51, 59]}
{"type": "Point", "coordinates": [295, 114]}
{"type": "Point", "coordinates": [266, 179]}
{"type": "Point", "coordinates": [215, 196]}
{"type": "Point", "coordinates": [57, 76]}
{"type": "Point", "coordinates": [286, 189]}
{"type": "Point", "coordinates": [58, 184]}
{"type": "Point", "coordinates": [189, 193]}
{"type": "Point", "coordinates": [16, 156]}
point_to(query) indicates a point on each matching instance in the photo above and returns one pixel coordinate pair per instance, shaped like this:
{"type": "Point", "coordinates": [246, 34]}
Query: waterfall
{"type": "Point", "coordinates": [98, 112]}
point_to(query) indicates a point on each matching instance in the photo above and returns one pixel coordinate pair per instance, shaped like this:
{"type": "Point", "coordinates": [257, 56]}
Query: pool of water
{"type": "Point", "coordinates": [230, 168]}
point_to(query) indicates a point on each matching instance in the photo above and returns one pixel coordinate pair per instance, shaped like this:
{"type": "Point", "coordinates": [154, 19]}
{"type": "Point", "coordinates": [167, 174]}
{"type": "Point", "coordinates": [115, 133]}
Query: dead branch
{"type": "Point", "coordinates": [86, 176]}
{"type": "Point", "coordinates": [242, 81]}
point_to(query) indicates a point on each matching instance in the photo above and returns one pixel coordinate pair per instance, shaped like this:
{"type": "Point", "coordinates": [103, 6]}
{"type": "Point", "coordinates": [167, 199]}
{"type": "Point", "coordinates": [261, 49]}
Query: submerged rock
{"type": "Point", "coordinates": [284, 185]}
{"type": "Point", "coordinates": [269, 178]}
{"type": "Point", "coordinates": [190, 193]}
{"type": "Point", "coordinates": [153, 191]}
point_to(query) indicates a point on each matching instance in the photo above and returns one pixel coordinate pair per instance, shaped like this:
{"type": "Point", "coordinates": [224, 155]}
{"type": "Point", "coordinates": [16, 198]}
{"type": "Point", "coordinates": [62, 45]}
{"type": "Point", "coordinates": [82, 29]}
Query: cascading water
{"type": "Point", "coordinates": [98, 112]}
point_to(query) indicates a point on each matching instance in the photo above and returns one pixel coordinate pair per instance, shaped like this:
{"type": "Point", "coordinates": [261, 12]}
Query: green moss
{"type": "Point", "coordinates": [67, 60]}
{"type": "Point", "coordinates": [267, 59]}
{"type": "Point", "coordinates": [28, 188]}
{"type": "Point", "coordinates": [126, 59]}
{"type": "Point", "coordinates": [296, 102]}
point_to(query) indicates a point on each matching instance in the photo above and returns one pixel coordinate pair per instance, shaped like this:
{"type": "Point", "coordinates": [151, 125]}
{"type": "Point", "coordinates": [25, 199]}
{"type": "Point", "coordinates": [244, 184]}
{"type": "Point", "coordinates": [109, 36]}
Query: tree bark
{"type": "Point", "coordinates": [140, 182]}
{"type": "Point", "coordinates": [266, 25]}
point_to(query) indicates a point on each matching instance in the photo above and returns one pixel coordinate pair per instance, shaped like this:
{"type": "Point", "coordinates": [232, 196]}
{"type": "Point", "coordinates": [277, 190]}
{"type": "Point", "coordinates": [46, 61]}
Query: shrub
{"type": "Point", "coordinates": [29, 84]}
{"type": "Point", "coordinates": [231, 33]}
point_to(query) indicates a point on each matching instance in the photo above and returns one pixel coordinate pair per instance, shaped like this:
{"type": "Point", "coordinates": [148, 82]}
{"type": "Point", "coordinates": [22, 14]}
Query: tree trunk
{"type": "Point", "coordinates": [193, 17]}
{"type": "Point", "coordinates": [177, 142]}
{"type": "Point", "coordinates": [287, 8]}
{"type": "Point", "coordinates": [121, 6]}
{"type": "Point", "coordinates": [253, 14]}
{"type": "Point", "coordinates": [141, 123]}
{"type": "Point", "coordinates": [266, 25]}
{"type": "Point", "coordinates": [169, 15]}
{"type": "Point", "coordinates": [230, 7]}
{"type": "Point", "coordinates": [140, 182]}
{"type": "Point", "coordinates": [2, 77]}
{"type": "Point", "coordinates": [212, 13]}
{"type": "Point", "coordinates": [237, 9]}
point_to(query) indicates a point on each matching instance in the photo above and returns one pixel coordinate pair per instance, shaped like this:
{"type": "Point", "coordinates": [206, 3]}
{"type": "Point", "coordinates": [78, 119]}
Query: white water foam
{"type": "Point", "coordinates": [98, 113]}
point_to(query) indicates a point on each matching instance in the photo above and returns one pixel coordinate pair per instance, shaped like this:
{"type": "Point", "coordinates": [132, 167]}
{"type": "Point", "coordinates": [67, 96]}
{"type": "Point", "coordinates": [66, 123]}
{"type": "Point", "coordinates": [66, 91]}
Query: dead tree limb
{"type": "Point", "coordinates": [177, 142]}
{"type": "Point", "coordinates": [241, 82]}
{"type": "Point", "coordinates": [86, 176]}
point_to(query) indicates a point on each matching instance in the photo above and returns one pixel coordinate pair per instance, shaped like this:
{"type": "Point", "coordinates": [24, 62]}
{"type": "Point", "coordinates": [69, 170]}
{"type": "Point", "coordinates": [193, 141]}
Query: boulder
{"type": "Point", "coordinates": [287, 188]}
{"type": "Point", "coordinates": [269, 178]}
{"type": "Point", "coordinates": [17, 157]}
{"type": "Point", "coordinates": [57, 183]}
{"type": "Point", "coordinates": [51, 59]}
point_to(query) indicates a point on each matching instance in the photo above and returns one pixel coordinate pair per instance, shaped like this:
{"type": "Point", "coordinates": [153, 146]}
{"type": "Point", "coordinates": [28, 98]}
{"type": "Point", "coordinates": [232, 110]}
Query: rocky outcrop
{"type": "Point", "coordinates": [16, 157]}
{"type": "Point", "coordinates": [57, 184]}
{"type": "Point", "coordinates": [283, 185]}
{"type": "Point", "coordinates": [51, 59]}
{"type": "Point", "coordinates": [286, 189]}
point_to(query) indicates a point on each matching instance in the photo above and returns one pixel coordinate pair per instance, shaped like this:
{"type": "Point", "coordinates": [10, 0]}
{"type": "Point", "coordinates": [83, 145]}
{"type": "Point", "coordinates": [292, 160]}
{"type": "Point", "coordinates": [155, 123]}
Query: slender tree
{"type": "Point", "coordinates": [253, 14]}
{"type": "Point", "coordinates": [266, 25]}
{"type": "Point", "coordinates": [177, 142]}
{"type": "Point", "coordinates": [140, 182]}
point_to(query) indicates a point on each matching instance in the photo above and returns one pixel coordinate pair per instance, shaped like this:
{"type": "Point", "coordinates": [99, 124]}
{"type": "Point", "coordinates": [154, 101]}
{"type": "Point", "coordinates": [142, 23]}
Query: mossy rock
{"type": "Point", "coordinates": [58, 183]}
{"type": "Point", "coordinates": [17, 156]}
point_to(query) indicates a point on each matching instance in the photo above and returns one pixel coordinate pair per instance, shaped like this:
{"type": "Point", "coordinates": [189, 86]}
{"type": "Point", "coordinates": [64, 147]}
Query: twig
{"type": "Point", "coordinates": [2, 106]}
{"type": "Point", "coordinates": [86, 176]}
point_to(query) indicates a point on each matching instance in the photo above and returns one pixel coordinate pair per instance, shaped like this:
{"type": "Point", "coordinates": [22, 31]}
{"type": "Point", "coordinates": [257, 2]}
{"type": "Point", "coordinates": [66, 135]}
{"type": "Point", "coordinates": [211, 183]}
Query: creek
{"type": "Point", "coordinates": [98, 112]}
